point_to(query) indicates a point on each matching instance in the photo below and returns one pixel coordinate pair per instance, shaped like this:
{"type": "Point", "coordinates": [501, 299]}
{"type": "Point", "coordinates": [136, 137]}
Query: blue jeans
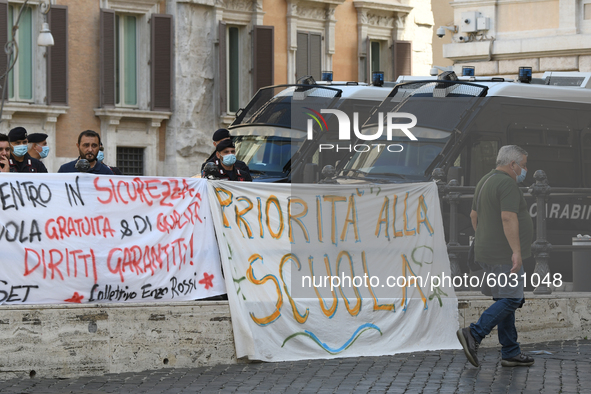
{"type": "Point", "coordinates": [502, 312]}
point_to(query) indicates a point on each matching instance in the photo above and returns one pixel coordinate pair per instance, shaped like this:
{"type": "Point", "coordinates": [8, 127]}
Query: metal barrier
{"type": "Point", "coordinates": [453, 193]}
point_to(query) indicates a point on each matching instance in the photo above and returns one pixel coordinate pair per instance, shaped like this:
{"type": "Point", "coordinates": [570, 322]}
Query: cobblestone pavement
{"type": "Point", "coordinates": [561, 367]}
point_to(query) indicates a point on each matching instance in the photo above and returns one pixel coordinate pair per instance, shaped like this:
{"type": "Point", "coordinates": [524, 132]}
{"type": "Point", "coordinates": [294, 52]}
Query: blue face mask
{"type": "Point", "coordinates": [228, 160]}
{"type": "Point", "coordinates": [44, 152]}
{"type": "Point", "coordinates": [20, 150]}
{"type": "Point", "coordinates": [100, 156]}
{"type": "Point", "coordinates": [521, 177]}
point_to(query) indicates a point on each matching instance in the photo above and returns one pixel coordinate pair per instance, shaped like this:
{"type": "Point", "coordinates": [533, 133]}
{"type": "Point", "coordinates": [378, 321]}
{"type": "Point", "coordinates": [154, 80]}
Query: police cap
{"type": "Point", "coordinates": [17, 134]}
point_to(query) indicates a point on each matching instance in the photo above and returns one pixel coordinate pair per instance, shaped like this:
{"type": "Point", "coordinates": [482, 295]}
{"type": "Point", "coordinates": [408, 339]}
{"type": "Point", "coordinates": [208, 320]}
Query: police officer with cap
{"type": "Point", "coordinates": [38, 145]}
{"type": "Point", "coordinates": [219, 136]}
{"type": "Point", "coordinates": [228, 168]}
{"type": "Point", "coordinates": [20, 160]}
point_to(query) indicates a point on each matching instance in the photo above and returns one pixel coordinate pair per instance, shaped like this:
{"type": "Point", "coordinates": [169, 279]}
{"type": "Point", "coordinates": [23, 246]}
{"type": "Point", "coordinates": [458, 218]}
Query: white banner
{"type": "Point", "coordinates": [322, 271]}
{"type": "Point", "coordinates": [83, 238]}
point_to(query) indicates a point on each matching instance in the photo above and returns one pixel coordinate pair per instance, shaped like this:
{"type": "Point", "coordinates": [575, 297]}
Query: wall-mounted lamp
{"type": "Point", "coordinates": [45, 39]}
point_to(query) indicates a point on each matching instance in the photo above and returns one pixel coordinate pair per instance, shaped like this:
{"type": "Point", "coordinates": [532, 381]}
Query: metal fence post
{"type": "Point", "coordinates": [454, 200]}
{"type": "Point", "coordinates": [439, 177]}
{"type": "Point", "coordinates": [541, 247]}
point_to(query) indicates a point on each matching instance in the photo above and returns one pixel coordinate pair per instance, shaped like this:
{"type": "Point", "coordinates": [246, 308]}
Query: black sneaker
{"type": "Point", "coordinates": [521, 360]}
{"type": "Point", "coordinates": [469, 344]}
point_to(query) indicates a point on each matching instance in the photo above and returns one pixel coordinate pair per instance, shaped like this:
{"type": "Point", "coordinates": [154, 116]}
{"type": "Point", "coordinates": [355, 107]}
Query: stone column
{"type": "Point", "coordinates": [292, 39]}
{"type": "Point", "coordinates": [109, 124]}
{"type": "Point", "coordinates": [362, 49]}
{"type": "Point", "coordinates": [329, 40]}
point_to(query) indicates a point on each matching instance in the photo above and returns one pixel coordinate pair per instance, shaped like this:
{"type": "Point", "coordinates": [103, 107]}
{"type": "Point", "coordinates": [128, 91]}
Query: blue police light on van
{"type": "Point", "coordinates": [525, 74]}
{"type": "Point", "coordinates": [377, 78]}
{"type": "Point", "coordinates": [468, 71]}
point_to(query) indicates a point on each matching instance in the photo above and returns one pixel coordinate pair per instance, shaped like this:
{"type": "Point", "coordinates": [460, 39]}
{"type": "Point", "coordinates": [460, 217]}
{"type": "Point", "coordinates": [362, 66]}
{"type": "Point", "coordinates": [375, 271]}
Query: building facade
{"type": "Point", "coordinates": [157, 77]}
{"type": "Point", "coordinates": [499, 37]}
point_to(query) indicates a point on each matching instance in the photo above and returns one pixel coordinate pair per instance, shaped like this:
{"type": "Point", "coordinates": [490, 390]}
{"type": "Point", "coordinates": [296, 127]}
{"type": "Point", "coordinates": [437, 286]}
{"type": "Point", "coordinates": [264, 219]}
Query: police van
{"type": "Point", "coordinates": [461, 124]}
{"type": "Point", "coordinates": [273, 135]}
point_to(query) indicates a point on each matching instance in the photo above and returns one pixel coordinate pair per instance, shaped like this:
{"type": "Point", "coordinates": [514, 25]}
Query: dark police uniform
{"type": "Point", "coordinates": [240, 172]}
{"type": "Point", "coordinates": [219, 135]}
{"type": "Point", "coordinates": [99, 168]}
{"type": "Point", "coordinates": [29, 164]}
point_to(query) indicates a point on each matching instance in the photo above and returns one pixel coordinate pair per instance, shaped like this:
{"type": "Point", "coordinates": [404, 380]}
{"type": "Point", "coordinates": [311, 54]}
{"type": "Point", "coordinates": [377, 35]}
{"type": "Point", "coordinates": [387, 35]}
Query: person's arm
{"type": "Point", "coordinates": [5, 165]}
{"type": "Point", "coordinates": [511, 230]}
{"type": "Point", "coordinates": [474, 218]}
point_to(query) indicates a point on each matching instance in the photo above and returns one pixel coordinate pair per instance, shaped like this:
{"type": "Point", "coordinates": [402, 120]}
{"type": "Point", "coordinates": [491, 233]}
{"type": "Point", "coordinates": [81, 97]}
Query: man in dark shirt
{"type": "Point", "coordinates": [228, 168]}
{"type": "Point", "coordinates": [20, 160]}
{"type": "Point", "coordinates": [504, 233]}
{"type": "Point", "coordinates": [88, 145]}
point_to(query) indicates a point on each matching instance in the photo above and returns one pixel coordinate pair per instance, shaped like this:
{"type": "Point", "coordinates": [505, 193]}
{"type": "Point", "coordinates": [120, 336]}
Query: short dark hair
{"type": "Point", "coordinates": [89, 133]}
{"type": "Point", "coordinates": [3, 137]}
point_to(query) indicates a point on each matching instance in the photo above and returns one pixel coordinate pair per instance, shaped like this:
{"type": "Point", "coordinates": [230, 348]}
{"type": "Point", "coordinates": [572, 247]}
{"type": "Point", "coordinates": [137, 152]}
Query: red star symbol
{"type": "Point", "coordinates": [207, 280]}
{"type": "Point", "coordinates": [77, 298]}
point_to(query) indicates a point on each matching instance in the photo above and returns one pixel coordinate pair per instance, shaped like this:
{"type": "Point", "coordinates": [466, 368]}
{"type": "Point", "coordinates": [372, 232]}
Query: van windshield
{"type": "Point", "coordinates": [266, 155]}
{"type": "Point", "coordinates": [439, 108]}
{"type": "Point", "coordinates": [399, 158]}
{"type": "Point", "coordinates": [273, 106]}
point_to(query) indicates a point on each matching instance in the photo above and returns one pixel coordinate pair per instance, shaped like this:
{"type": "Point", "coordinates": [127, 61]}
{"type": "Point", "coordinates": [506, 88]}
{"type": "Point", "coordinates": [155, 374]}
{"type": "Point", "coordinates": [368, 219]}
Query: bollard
{"type": "Point", "coordinates": [581, 264]}
{"type": "Point", "coordinates": [541, 247]}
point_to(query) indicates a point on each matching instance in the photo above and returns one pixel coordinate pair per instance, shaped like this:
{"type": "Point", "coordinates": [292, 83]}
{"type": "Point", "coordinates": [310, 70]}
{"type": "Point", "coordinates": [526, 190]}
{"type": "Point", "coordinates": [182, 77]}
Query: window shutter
{"type": "Point", "coordinates": [57, 57]}
{"type": "Point", "coordinates": [402, 58]}
{"type": "Point", "coordinates": [161, 62]}
{"type": "Point", "coordinates": [3, 41]}
{"type": "Point", "coordinates": [222, 67]}
{"type": "Point", "coordinates": [302, 56]}
{"type": "Point", "coordinates": [107, 61]}
{"type": "Point", "coordinates": [263, 57]}
{"type": "Point", "coordinates": [316, 56]}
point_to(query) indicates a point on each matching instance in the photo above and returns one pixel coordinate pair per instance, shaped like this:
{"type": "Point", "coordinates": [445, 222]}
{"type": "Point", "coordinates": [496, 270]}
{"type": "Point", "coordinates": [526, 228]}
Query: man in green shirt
{"type": "Point", "coordinates": [504, 232]}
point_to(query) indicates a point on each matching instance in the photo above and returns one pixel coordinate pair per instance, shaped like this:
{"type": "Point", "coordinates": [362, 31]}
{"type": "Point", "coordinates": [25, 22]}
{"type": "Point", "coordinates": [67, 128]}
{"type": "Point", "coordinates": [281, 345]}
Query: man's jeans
{"type": "Point", "coordinates": [502, 312]}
